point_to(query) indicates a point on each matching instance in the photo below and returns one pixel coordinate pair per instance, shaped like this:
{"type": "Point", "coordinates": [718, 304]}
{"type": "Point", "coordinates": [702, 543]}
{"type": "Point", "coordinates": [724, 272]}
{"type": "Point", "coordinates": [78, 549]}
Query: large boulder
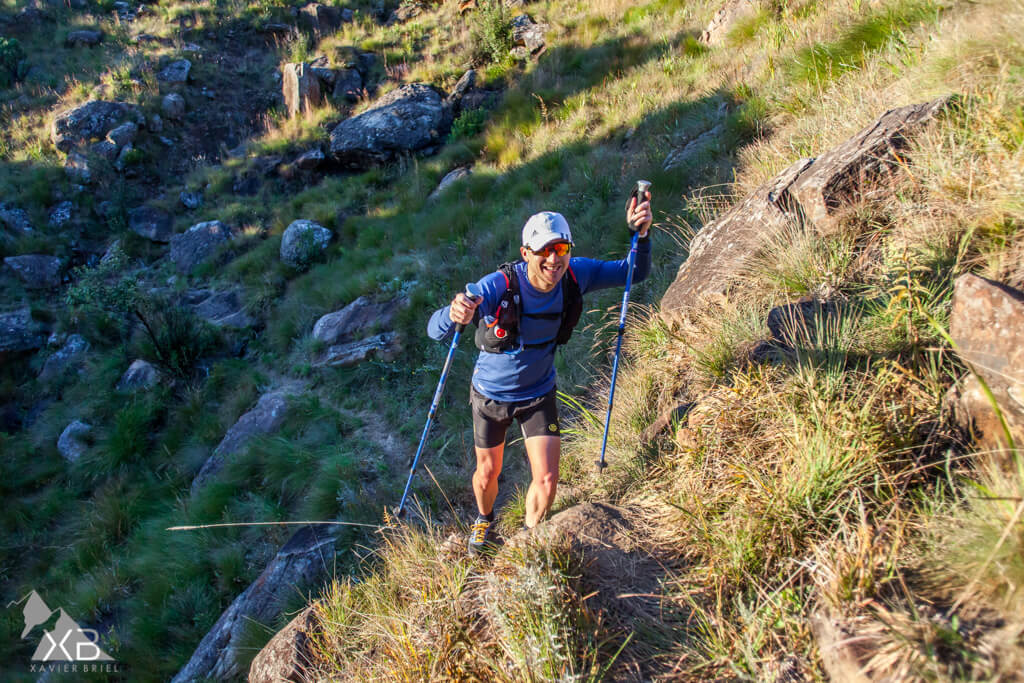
{"type": "Point", "coordinates": [288, 654]}
{"type": "Point", "coordinates": [301, 88]}
{"type": "Point", "coordinates": [358, 317]}
{"type": "Point", "coordinates": [450, 179]}
{"type": "Point", "coordinates": [15, 220]}
{"type": "Point", "coordinates": [36, 270]}
{"type": "Point", "coordinates": [19, 332]}
{"type": "Point", "coordinates": [175, 73]}
{"type": "Point", "coordinates": [74, 441]}
{"type": "Point", "coordinates": [528, 34]}
{"type": "Point", "coordinates": [303, 561]}
{"type": "Point", "coordinates": [152, 223]}
{"type": "Point", "coordinates": [811, 190]}
{"type": "Point", "coordinates": [90, 121]}
{"type": "Point", "coordinates": [86, 37]}
{"type": "Point", "coordinates": [348, 86]}
{"type": "Point", "coordinates": [173, 106]}
{"type": "Point", "coordinates": [383, 346]}
{"type": "Point", "coordinates": [265, 418]}
{"type": "Point", "coordinates": [78, 169]}
{"type": "Point", "coordinates": [987, 324]}
{"type": "Point", "coordinates": [320, 19]}
{"type": "Point", "coordinates": [70, 354]}
{"type": "Point", "coordinates": [139, 376]}
{"type": "Point", "coordinates": [198, 244]}
{"type": "Point", "coordinates": [224, 309]}
{"type": "Point", "coordinates": [726, 18]}
{"type": "Point", "coordinates": [408, 119]}
{"type": "Point", "coordinates": [303, 242]}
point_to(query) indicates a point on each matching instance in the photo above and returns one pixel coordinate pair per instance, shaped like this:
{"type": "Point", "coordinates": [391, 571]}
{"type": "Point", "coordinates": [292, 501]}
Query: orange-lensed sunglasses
{"type": "Point", "coordinates": [558, 249]}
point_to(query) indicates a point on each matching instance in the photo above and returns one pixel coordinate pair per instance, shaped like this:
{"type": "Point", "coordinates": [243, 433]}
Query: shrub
{"type": "Point", "coordinates": [491, 35]}
{"type": "Point", "coordinates": [11, 55]}
{"type": "Point", "coordinates": [468, 125]}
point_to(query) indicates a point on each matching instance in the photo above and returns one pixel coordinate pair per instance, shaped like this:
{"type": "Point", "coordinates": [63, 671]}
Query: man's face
{"type": "Point", "coordinates": [545, 267]}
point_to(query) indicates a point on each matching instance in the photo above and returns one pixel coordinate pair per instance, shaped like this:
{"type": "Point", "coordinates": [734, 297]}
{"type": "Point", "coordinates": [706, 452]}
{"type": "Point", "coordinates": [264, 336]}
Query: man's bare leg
{"type": "Point", "coordinates": [485, 478]}
{"type": "Point", "coordinates": [543, 452]}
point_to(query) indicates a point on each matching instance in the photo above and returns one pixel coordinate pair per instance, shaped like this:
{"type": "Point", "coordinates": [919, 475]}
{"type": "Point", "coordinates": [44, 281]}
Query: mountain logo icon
{"type": "Point", "coordinates": [66, 641]}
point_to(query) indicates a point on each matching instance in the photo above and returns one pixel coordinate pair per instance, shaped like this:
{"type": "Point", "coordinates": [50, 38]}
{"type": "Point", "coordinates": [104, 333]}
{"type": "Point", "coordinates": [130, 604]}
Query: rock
{"type": "Point", "coordinates": [383, 346]}
{"type": "Point", "coordinates": [16, 220]}
{"type": "Point", "coordinates": [198, 244]}
{"type": "Point", "coordinates": [224, 309]}
{"type": "Point", "coordinates": [812, 190]}
{"type": "Point", "coordinates": [19, 332]}
{"type": "Point", "coordinates": [265, 418]}
{"type": "Point", "coordinates": [303, 242]}
{"type": "Point", "coordinates": [305, 559]}
{"type": "Point", "coordinates": [123, 134]}
{"type": "Point", "coordinates": [857, 169]}
{"type": "Point", "coordinates": [249, 181]}
{"type": "Point", "coordinates": [173, 106]}
{"type": "Point", "coordinates": [152, 223]}
{"type": "Point", "coordinates": [528, 33]}
{"type": "Point", "coordinates": [191, 200]}
{"type": "Point", "coordinates": [326, 77]}
{"type": "Point", "coordinates": [725, 18]}
{"type": "Point", "coordinates": [104, 149]}
{"type": "Point", "coordinates": [407, 119]}
{"type": "Point", "coordinates": [89, 121]}
{"type": "Point", "coordinates": [450, 179]}
{"type": "Point", "coordinates": [479, 98]}
{"type": "Point", "coordinates": [86, 37]}
{"type": "Point", "coordinates": [36, 270]}
{"type": "Point", "coordinates": [348, 85]}
{"type": "Point", "coordinates": [124, 157]}
{"type": "Point", "coordinates": [140, 375]}
{"type": "Point", "coordinates": [721, 248]}
{"type": "Point", "coordinates": [60, 215]}
{"type": "Point", "coordinates": [987, 325]}
{"type": "Point", "coordinates": [74, 440]}
{"type": "Point", "coordinates": [68, 356]}
{"type": "Point", "coordinates": [347, 15]}
{"type": "Point", "coordinates": [155, 124]}
{"type": "Point", "coordinates": [176, 72]}
{"type": "Point", "coordinates": [320, 19]}
{"type": "Point", "coordinates": [466, 83]}
{"type": "Point", "coordinates": [287, 655]}
{"type": "Point", "coordinates": [301, 88]}
{"type": "Point", "coordinates": [693, 148]}
{"type": "Point", "coordinates": [404, 12]}
{"type": "Point", "coordinates": [673, 416]}
{"type": "Point", "coordinates": [359, 316]}
{"type": "Point", "coordinates": [276, 28]}
{"type": "Point", "coordinates": [311, 160]}
{"type": "Point", "coordinates": [76, 168]}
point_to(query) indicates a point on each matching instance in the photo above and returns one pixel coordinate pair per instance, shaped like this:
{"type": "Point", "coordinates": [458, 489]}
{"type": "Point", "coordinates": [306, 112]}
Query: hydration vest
{"type": "Point", "coordinates": [499, 332]}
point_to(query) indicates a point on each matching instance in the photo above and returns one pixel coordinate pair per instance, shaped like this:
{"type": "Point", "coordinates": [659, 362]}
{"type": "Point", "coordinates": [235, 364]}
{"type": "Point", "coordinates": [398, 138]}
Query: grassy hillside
{"type": "Point", "coordinates": [829, 479]}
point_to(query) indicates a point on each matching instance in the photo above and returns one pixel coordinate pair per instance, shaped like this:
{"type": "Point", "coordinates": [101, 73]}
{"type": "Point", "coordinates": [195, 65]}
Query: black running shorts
{"type": "Point", "coordinates": [536, 416]}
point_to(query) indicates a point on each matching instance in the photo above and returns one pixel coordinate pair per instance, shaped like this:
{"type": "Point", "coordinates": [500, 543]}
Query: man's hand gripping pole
{"type": "Point", "coordinates": [472, 292]}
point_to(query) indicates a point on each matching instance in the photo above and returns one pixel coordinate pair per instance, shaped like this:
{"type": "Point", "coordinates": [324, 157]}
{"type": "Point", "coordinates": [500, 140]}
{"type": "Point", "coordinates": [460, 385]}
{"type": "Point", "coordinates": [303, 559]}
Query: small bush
{"type": "Point", "coordinates": [491, 35]}
{"type": "Point", "coordinates": [11, 55]}
{"type": "Point", "coordinates": [468, 125]}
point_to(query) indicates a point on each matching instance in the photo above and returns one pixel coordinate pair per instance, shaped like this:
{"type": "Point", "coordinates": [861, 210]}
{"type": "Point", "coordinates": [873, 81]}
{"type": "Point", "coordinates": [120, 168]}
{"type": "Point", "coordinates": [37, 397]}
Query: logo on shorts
{"type": "Point", "coordinates": [552, 427]}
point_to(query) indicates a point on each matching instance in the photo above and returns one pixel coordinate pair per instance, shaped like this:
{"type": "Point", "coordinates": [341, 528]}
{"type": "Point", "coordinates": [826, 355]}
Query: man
{"type": "Point", "coordinates": [514, 377]}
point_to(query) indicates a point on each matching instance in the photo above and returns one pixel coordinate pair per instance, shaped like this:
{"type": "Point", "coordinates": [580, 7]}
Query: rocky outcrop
{"type": "Point", "coordinates": [527, 36]}
{"type": "Point", "coordinates": [356, 318]}
{"type": "Point", "coordinates": [70, 354]}
{"type": "Point", "coordinates": [19, 332]}
{"type": "Point", "coordinates": [320, 19]}
{"type": "Point", "coordinates": [987, 325]}
{"type": "Point", "coordinates": [303, 242]}
{"type": "Point", "coordinates": [78, 169]}
{"type": "Point", "coordinates": [347, 86]}
{"type": "Point", "coordinates": [86, 37]}
{"type": "Point", "coordinates": [811, 190]}
{"type": "Point", "coordinates": [152, 223]}
{"type": "Point", "coordinates": [175, 73]}
{"type": "Point", "coordinates": [304, 560]}
{"type": "Point", "coordinates": [287, 656]}
{"type": "Point", "coordinates": [139, 376]}
{"type": "Point", "coordinates": [265, 418]}
{"type": "Point", "coordinates": [198, 244]}
{"type": "Point", "coordinates": [381, 346]}
{"type": "Point", "coordinates": [408, 119]}
{"type": "Point", "coordinates": [60, 215]}
{"type": "Point", "coordinates": [450, 179]}
{"type": "Point", "coordinates": [74, 441]}
{"type": "Point", "coordinates": [301, 89]}
{"type": "Point", "coordinates": [725, 19]}
{"type": "Point", "coordinates": [36, 270]}
{"type": "Point", "coordinates": [222, 309]}
{"type": "Point", "coordinates": [15, 220]}
{"type": "Point", "coordinates": [90, 121]}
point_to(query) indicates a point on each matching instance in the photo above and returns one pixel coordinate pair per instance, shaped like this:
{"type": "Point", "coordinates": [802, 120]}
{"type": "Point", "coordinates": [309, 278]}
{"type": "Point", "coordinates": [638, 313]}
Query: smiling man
{"type": "Point", "coordinates": [527, 310]}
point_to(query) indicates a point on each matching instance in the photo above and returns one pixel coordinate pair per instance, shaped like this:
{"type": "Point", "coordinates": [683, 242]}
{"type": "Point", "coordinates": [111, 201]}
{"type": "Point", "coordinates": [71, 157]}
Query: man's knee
{"type": "Point", "coordinates": [487, 468]}
{"type": "Point", "coordinates": [547, 482]}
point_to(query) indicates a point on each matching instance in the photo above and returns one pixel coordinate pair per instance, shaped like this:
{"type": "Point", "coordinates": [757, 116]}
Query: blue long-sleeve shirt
{"type": "Point", "coordinates": [529, 372]}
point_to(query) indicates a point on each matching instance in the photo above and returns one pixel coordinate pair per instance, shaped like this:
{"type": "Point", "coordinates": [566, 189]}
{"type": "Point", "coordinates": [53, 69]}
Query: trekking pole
{"type": "Point", "coordinates": [473, 292]}
{"type": "Point", "coordinates": [641, 189]}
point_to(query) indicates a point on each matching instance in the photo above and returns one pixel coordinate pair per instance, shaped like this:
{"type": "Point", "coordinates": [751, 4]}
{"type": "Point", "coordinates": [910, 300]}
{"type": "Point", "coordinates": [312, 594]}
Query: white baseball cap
{"type": "Point", "coordinates": [544, 228]}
